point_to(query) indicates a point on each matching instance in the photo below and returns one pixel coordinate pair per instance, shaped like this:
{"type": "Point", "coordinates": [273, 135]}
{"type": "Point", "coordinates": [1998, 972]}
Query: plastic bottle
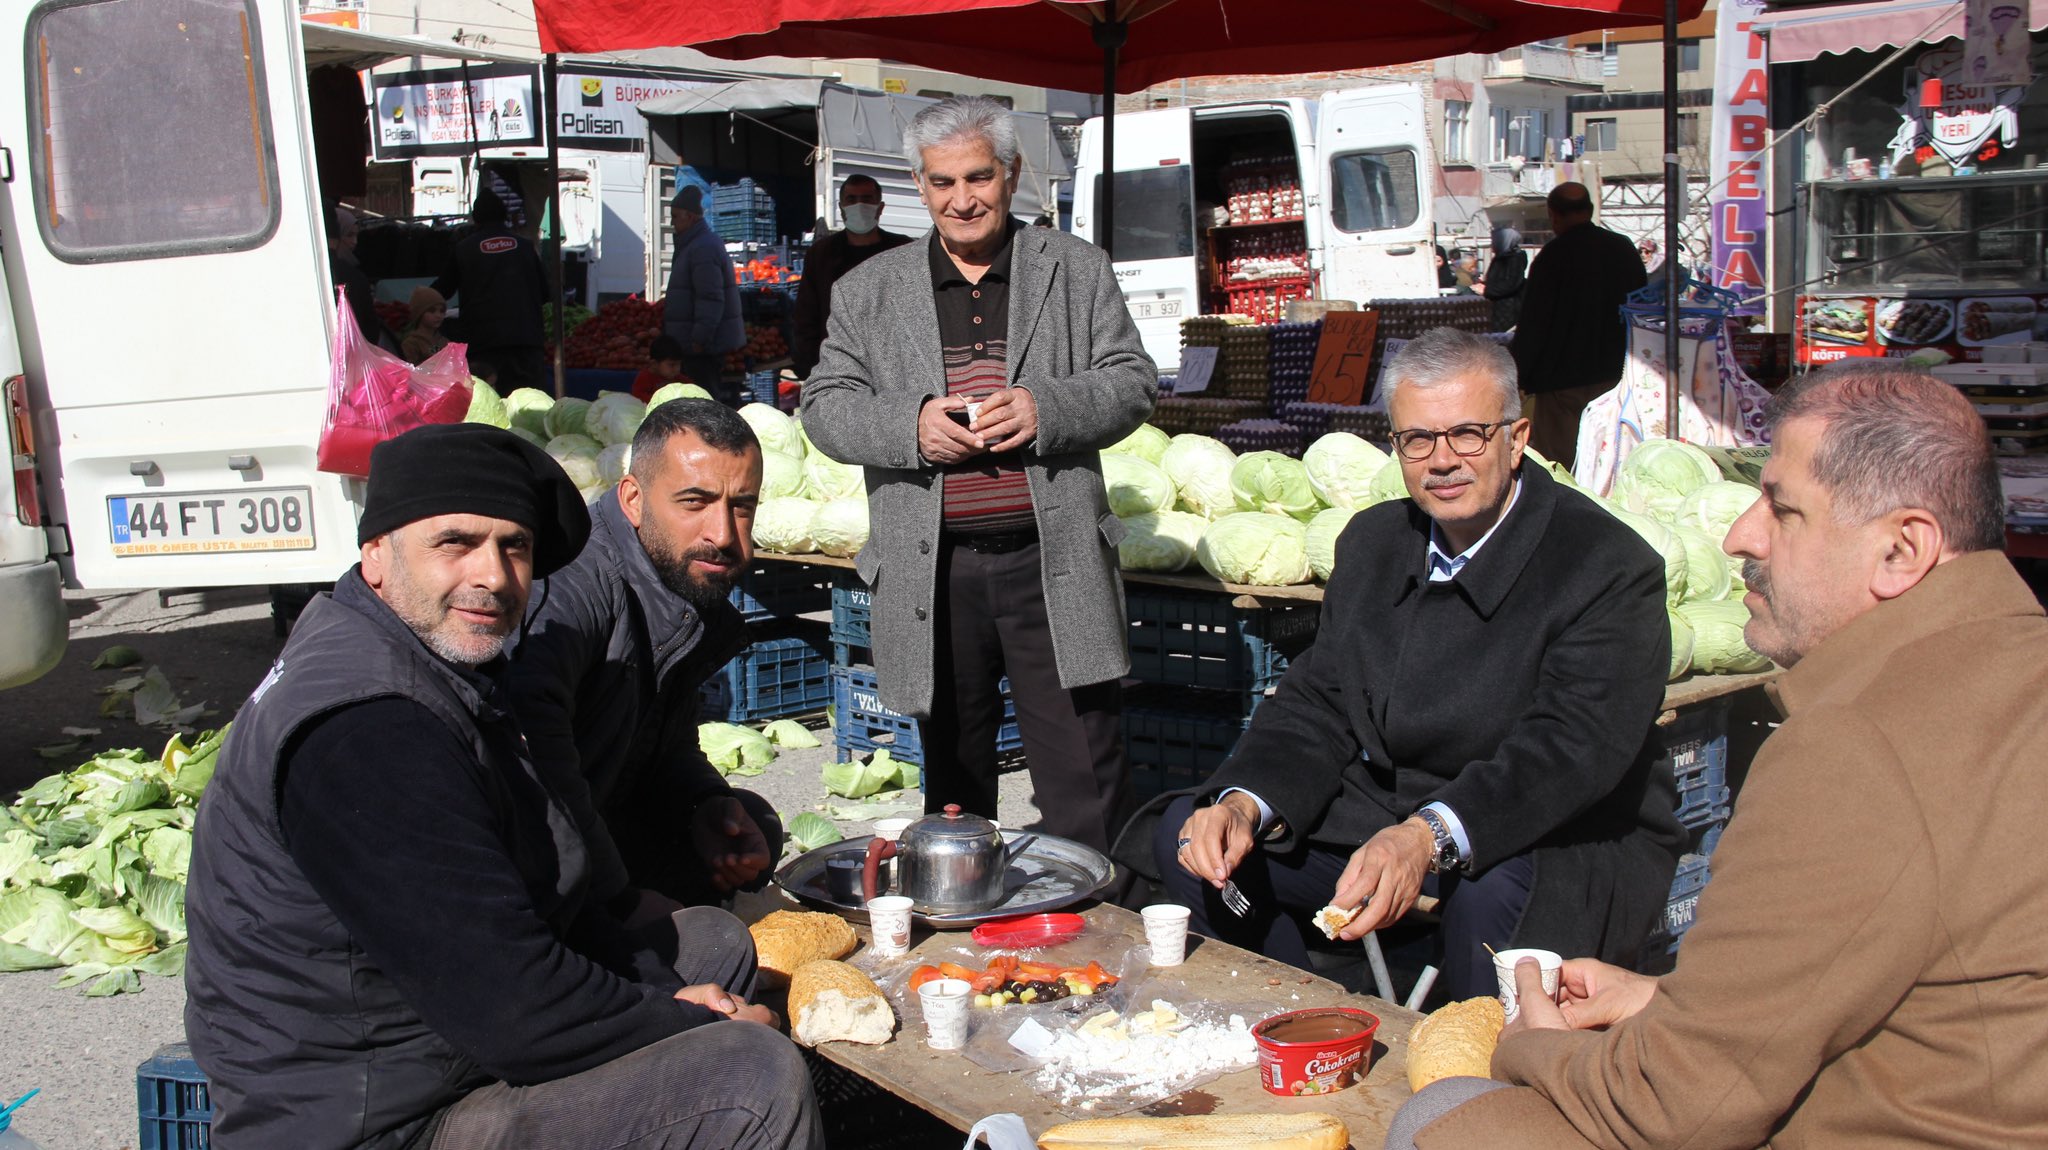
{"type": "Point", "coordinates": [9, 1139]}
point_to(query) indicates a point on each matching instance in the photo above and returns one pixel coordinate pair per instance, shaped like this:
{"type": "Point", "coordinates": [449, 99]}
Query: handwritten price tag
{"type": "Point", "coordinates": [1343, 357]}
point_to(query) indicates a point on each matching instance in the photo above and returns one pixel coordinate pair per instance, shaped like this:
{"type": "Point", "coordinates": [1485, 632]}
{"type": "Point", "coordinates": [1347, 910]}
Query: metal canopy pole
{"type": "Point", "coordinates": [1674, 196]}
{"type": "Point", "coordinates": [553, 253]}
{"type": "Point", "coordinates": [1110, 34]}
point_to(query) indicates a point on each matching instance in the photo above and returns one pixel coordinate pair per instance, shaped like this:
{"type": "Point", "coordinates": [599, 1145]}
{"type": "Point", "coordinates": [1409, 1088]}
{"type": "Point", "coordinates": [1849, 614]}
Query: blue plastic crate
{"type": "Point", "coordinates": [742, 196]}
{"type": "Point", "coordinates": [744, 228]}
{"type": "Point", "coordinates": [1174, 740]}
{"type": "Point", "coordinates": [173, 1106]}
{"type": "Point", "coordinates": [762, 387]}
{"type": "Point", "coordinates": [773, 589]}
{"type": "Point", "coordinates": [772, 679]}
{"type": "Point", "coordinates": [1695, 752]}
{"type": "Point", "coordinates": [1684, 904]}
{"type": "Point", "coordinates": [852, 607]}
{"type": "Point", "coordinates": [862, 725]}
{"type": "Point", "coordinates": [1201, 640]}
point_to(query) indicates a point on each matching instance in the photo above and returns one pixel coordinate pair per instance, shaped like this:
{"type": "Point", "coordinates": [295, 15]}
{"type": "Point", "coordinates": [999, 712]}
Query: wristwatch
{"type": "Point", "coordinates": [1444, 857]}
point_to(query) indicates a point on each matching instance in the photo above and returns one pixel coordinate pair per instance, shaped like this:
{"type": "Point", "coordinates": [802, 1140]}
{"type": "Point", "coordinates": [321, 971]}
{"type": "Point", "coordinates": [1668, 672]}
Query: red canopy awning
{"type": "Point", "coordinates": [1050, 43]}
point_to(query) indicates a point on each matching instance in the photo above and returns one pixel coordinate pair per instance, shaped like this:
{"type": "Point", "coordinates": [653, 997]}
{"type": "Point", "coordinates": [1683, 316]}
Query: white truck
{"type": "Point", "coordinates": [165, 308]}
{"type": "Point", "coordinates": [1349, 179]}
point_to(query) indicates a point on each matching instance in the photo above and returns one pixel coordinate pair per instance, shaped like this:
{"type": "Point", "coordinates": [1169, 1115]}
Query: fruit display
{"type": "Point", "coordinates": [616, 337]}
{"type": "Point", "coordinates": [765, 344]}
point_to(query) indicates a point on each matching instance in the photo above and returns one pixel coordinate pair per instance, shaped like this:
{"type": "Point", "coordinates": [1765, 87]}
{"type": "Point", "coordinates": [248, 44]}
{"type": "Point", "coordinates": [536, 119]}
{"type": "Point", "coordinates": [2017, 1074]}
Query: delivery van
{"type": "Point", "coordinates": [166, 310]}
{"type": "Point", "coordinates": [1243, 205]}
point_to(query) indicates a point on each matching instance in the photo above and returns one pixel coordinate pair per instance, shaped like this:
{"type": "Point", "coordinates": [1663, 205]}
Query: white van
{"type": "Point", "coordinates": [1344, 180]}
{"type": "Point", "coordinates": [165, 309]}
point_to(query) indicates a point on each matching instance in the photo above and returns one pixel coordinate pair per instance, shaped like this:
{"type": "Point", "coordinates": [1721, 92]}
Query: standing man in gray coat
{"type": "Point", "coordinates": [976, 377]}
{"type": "Point", "coordinates": [702, 307]}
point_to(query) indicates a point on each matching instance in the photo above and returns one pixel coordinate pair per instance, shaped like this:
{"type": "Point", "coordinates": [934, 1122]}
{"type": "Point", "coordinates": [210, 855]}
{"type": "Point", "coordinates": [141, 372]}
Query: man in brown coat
{"type": "Point", "coordinates": [1870, 963]}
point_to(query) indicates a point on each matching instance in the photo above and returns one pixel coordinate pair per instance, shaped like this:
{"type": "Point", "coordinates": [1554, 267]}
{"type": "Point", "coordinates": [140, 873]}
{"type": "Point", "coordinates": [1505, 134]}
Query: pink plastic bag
{"type": "Point", "coordinates": [374, 395]}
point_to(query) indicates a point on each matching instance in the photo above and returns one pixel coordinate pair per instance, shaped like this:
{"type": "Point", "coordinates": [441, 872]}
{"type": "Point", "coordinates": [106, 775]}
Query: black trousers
{"type": "Point", "coordinates": [723, 1085]}
{"type": "Point", "coordinates": [517, 366]}
{"type": "Point", "coordinates": [1286, 890]}
{"type": "Point", "coordinates": [991, 620]}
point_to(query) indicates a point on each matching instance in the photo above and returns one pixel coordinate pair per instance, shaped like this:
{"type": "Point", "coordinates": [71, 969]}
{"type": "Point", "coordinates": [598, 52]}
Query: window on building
{"type": "Point", "coordinates": [1689, 56]}
{"type": "Point", "coordinates": [1457, 132]}
{"type": "Point", "coordinates": [120, 172]}
{"type": "Point", "coordinates": [1610, 59]}
{"type": "Point", "coordinates": [1688, 129]}
{"type": "Point", "coordinates": [1600, 135]}
{"type": "Point", "coordinates": [1374, 190]}
{"type": "Point", "coordinates": [1518, 132]}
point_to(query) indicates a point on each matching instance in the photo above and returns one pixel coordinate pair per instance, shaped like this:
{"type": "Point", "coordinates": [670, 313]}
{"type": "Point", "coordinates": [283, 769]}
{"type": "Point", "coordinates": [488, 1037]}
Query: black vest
{"type": "Point", "coordinates": [307, 1044]}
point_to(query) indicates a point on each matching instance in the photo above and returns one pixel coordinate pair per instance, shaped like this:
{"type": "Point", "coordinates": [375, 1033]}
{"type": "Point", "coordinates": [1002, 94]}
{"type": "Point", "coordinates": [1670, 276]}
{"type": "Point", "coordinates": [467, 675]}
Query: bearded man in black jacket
{"type": "Point", "coordinates": [392, 944]}
{"type": "Point", "coordinates": [1473, 720]}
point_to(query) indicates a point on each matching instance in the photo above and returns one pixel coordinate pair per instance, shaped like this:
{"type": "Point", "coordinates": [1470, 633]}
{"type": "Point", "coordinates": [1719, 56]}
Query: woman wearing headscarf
{"type": "Point", "coordinates": [1505, 277]}
{"type": "Point", "coordinates": [1446, 277]}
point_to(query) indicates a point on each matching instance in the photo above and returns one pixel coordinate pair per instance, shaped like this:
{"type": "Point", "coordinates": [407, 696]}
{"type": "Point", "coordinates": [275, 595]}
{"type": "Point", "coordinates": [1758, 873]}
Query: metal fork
{"type": "Point", "coordinates": [1234, 899]}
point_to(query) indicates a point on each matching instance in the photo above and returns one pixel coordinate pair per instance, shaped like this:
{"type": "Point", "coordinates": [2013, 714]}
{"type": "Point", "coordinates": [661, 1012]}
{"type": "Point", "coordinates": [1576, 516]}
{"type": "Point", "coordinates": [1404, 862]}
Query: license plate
{"type": "Point", "coordinates": [1155, 309]}
{"type": "Point", "coordinates": [209, 522]}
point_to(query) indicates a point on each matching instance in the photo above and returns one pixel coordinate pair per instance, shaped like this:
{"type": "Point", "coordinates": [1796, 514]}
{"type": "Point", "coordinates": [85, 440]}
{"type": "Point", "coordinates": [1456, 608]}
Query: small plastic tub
{"type": "Point", "coordinates": [1317, 1051]}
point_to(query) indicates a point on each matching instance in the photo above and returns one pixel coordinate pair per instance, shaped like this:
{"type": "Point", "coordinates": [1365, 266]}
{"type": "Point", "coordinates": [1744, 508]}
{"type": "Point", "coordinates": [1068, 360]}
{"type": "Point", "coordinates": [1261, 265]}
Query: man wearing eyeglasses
{"type": "Point", "coordinates": [1473, 720]}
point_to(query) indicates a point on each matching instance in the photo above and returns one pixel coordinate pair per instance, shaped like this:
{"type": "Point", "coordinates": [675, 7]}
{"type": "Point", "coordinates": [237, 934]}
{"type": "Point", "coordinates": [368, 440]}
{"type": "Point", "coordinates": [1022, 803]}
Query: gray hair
{"type": "Point", "coordinates": [957, 118]}
{"type": "Point", "coordinates": [1441, 355]}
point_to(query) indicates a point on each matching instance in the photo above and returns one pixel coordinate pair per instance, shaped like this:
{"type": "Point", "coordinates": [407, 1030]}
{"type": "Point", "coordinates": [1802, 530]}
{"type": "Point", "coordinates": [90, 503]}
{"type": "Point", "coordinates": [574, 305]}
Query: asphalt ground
{"type": "Point", "coordinates": [214, 647]}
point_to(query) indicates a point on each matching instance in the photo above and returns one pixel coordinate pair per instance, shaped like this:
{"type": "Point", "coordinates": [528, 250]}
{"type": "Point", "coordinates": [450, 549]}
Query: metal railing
{"type": "Point", "coordinates": [1543, 62]}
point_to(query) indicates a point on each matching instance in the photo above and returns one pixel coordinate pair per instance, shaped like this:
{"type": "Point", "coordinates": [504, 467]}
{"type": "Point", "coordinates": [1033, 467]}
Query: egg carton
{"type": "Point", "coordinates": [1202, 415]}
{"type": "Point", "coordinates": [1262, 435]}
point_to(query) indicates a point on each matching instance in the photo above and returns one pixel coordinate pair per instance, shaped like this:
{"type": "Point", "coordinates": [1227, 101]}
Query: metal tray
{"type": "Point", "coordinates": [1050, 874]}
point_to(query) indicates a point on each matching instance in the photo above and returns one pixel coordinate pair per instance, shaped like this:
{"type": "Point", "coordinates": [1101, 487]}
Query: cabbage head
{"type": "Point", "coordinates": [781, 475]}
{"type": "Point", "coordinates": [613, 461]}
{"type": "Point", "coordinates": [1257, 549]}
{"type": "Point", "coordinates": [1706, 569]}
{"type": "Point", "coordinates": [486, 405]}
{"type": "Point", "coordinates": [1341, 467]}
{"type": "Point", "coordinates": [614, 417]}
{"type": "Point", "coordinates": [1658, 475]}
{"type": "Point", "coordinates": [1200, 469]}
{"type": "Point", "coordinates": [1322, 539]}
{"type": "Point", "coordinates": [1147, 443]}
{"type": "Point", "coordinates": [566, 417]}
{"type": "Point", "coordinates": [529, 437]}
{"type": "Point", "coordinates": [1151, 546]}
{"type": "Point", "coordinates": [1717, 643]}
{"type": "Point", "coordinates": [1714, 507]}
{"type": "Point", "coordinates": [527, 408]}
{"type": "Point", "coordinates": [1681, 646]}
{"type": "Point", "coordinates": [840, 526]}
{"type": "Point", "coordinates": [857, 780]}
{"type": "Point", "coordinates": [668, 391]}
{"type": "Point", "coordinates": [772, 428]}
{"type": "Point", "coordinates": [830, 479]}
{"type": "Point", "coordinates": [1134, 486]}
{"type": "Point", "coordinates": [1270, 482]}
{"type": "Point", "coordinates": [1389, 483]}
{"type": "Point", "coordinates": [1558, 471]}
{"type": "Point", "coordinates": [1666, 544]}
{"type": "Point", "coordinates": [784, 525]}
{"type": "Point", "coordinates": [582, 470]}
{"type": "Point", "coordinates": [566, 445]}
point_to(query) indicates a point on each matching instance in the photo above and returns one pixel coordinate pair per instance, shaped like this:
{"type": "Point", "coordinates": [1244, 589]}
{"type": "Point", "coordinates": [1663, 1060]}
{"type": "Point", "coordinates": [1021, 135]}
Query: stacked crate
{"type": "Point", "coordinates": [1205, 665]}
{"type": "Point", "coordinates": [787, 668]}
{"type": "Point", "coordinates": [1262, 435]}
{"type": "Point", "coordinates": [743, 213]}
{"type": "Point", "coordinates": [1291, 362]}
{"type": "Point", "coordinates": [1695, 752]}
{"type": "Point", "coordinates": [173, 1103]}
{"type": "Point", "coordinates": [1201, 414]}
{"type": "Point", "coordinates": [1242, 370]}
{"type": "Point", "coordinates": [861, 724]}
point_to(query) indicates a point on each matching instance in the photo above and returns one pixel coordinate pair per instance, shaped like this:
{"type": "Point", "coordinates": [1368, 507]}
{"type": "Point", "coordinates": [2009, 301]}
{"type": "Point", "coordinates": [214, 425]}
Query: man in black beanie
{"type": "Point", "coordinates": [391, 940]}
{"type": "Point", "coordinates": [501, 284]}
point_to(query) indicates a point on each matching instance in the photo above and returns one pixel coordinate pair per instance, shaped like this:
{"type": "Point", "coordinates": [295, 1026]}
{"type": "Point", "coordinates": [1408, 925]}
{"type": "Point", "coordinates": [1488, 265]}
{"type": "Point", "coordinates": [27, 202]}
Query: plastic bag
{"type": "Point", "coordinates": [1719, 406]}
{"type": "Point", "coordinates": [374, 395]}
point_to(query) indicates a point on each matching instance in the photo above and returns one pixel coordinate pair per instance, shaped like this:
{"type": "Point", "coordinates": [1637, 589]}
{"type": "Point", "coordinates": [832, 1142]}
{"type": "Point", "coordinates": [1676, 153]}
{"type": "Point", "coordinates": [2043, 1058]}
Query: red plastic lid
{"type": "Point", "coordinates": [1030, 930]}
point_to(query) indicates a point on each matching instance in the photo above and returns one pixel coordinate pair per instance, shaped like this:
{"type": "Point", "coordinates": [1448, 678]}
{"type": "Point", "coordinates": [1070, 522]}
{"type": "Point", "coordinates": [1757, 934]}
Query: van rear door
{"type": "Point", "coordinates": [172, 289]}
{"type": "Point", "coordinates": [1154, 243]}
{"type": "Point", "coordinates": [1376, 178]}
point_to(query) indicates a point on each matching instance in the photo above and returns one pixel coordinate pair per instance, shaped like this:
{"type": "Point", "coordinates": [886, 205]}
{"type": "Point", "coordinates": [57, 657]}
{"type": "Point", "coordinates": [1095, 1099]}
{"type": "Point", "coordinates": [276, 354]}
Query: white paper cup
{"type": "Point", "coordinates": [889, 925]}
{"type": "Point", "coordinates": [1166, 933]}
{"type": "Point", "coordinates": [1504, 972]}
{"type": "Point", "coordinates": [946, 1003]}
{"type": "Point", "coordinates": [890, 829]}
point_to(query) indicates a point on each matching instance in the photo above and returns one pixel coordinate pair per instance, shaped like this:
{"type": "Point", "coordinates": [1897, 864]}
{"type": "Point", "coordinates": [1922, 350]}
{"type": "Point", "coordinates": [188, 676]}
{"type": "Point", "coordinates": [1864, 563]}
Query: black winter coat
{"type": "Point", "coordinates": [1505, 278]}
{"type": "Point", "coordinates": [1522, 694]}
{"type": "Point", "coordinates": [503, 286]}
{"type": "Point", "coordinates": [605, 678]}
{"type": "Point", "coordinates": [1570, 332]}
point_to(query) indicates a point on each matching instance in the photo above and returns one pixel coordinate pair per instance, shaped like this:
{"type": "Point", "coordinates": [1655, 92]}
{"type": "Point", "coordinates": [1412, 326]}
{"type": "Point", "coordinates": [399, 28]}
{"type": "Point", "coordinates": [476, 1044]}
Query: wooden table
{"type": "Point", "coordinates": [961, 1093]}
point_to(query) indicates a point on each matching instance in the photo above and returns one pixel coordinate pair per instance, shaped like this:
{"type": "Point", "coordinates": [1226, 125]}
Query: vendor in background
{"type": "Point", "coordinates": [606, 673]}
{"type": "Point", "coordinates": [1474, 720]}
{"type": "Point", "coordinates": [1653, 258]}
{"type": "Point", "coordinates": [354, 283]}
{"type": "Point", "coordinates": [496, 278]}
{"type": "Point", "coordinates": [1861, 973]}
{"type": "Point", "coordinates": [1505, 277]}
{"type": "Point", "coordinates": [423, 335]}
{"type": "Point", "coordinates": [1446, 275]}
{"type": "Point", "coordinates": [664, 366]}
{"type": "Point", "coordinates": [860, 205]}
{"type": "Point", "coordinates": [702, 308]}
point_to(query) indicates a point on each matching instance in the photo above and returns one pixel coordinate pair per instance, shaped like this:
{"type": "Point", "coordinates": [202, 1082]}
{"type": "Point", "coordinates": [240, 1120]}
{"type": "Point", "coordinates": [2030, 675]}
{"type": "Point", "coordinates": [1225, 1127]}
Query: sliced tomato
{"type": "Point", "coordinates": [922, 975]}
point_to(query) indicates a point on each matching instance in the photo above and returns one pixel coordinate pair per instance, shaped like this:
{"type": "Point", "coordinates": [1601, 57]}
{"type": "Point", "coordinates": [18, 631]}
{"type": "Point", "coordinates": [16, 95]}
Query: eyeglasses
{"type": "Point", "coordinates": [1417, 444]}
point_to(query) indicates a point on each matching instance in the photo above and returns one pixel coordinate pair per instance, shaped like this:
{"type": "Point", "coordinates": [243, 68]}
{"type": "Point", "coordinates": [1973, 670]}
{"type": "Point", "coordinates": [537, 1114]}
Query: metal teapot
{"type": "Point", "coordinates": [948, 863]}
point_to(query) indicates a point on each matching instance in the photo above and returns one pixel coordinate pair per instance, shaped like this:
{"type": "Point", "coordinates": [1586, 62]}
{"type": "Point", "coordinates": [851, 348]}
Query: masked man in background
{"type": "Point", "coordinates": [835, 254]}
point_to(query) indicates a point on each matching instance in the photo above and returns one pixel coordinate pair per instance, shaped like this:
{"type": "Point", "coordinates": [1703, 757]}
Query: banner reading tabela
{"type": "Point", "coordinates": [1742, 126]}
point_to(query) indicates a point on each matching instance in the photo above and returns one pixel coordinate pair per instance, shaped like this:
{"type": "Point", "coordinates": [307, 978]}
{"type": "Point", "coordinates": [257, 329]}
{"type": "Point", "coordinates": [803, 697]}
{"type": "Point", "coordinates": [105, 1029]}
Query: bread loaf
{"type": "Point", "coordinates": [1455, 1041]}
{"type": "Point", "coordinates": [832, 1002]}
{"type": "Point", "coordinates": [1305, 1130]}
{"type": "Point", "coordinates": [786, 940]}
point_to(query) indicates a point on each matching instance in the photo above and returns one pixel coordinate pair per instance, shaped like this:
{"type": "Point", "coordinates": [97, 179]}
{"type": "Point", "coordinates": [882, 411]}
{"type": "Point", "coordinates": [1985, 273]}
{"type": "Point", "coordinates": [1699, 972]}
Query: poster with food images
{"type": "Point", "coordinates": [1961, 324]}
